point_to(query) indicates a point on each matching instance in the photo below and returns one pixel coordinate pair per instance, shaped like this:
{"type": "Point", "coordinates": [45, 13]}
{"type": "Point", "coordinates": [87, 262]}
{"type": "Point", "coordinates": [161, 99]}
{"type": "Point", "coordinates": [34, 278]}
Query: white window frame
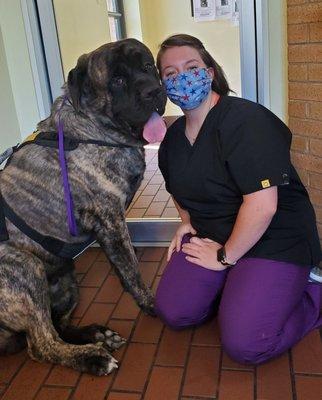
{"type": "Point", "coordinates": [118, 15]}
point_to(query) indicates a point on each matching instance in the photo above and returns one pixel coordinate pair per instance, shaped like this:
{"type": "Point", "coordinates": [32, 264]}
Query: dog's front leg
{"type": "Point", "coordinates": [114, 239]}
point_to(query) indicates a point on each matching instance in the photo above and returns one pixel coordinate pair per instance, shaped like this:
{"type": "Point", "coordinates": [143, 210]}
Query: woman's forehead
{"type": "Point", "coordinates": [179, 55]}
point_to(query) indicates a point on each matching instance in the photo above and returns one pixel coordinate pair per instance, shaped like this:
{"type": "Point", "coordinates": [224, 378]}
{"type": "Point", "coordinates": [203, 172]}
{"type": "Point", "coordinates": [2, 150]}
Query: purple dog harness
{"type": "Point", "coordinates": [153, 131]}
{"type": "Point", "coordinates": [51, 244]}
{"type": "Point", "coordinates": [63, 166]}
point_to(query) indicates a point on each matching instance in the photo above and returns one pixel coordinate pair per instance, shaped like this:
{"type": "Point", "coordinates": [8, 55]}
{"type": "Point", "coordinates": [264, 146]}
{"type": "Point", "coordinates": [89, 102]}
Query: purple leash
{"type": "Point", "coordinates": [63, 166]}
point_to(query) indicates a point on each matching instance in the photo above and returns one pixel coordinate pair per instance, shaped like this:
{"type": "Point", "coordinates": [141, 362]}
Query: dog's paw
{"type": "Point", "coordinates": [109, 339]}
{"type": "Point", "coordinates": [93, 359]}
{"type": "Point", "coordinates": [102, 336]}
{"type": "Point", "coordinates": [100, 365]}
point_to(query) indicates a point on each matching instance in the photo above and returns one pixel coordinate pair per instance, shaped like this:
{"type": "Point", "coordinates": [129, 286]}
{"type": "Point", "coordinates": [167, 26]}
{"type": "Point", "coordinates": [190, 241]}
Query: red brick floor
{"type": "Point", "coordinates": [157, 363]}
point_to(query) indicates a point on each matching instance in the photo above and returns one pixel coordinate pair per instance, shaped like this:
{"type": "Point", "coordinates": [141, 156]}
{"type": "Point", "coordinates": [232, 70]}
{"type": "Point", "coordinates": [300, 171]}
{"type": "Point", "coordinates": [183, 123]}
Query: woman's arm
{"type": "Point", "coordinates": [254, 217]}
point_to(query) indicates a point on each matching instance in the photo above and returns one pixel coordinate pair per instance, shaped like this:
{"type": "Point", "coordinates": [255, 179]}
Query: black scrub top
{"type": "Point", "coordinates": [242, 147]}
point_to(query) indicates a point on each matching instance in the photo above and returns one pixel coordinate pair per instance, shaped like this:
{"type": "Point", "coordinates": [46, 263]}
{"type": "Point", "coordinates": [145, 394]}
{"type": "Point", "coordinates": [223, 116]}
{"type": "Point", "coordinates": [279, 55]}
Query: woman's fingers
{"type": "Point", "coordinates": [191, 249]}
{"type": "Point", "coordinates": [197, 241]}
{"type": "Point", "coordinates": [208, 240]}
{"type": "Point", "coordinates": [204, 242]}
{"type": "Point", "coordinates": [171, 248]}
{"type": "Point", "coordinates": [170, 251]}
{"type": "Point", "coordinates": [195, 260]}
{"type": "Point", "coordinates": [178, 242]}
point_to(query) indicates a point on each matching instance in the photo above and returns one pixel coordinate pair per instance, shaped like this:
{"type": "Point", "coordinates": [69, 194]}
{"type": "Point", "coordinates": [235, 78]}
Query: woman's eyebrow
{"type": "Point", "coordinates": [187, 62]}
{"type": "Point", "coordinates": [168, 66]}
{"type": "Point", "coordinates": [192, 60]}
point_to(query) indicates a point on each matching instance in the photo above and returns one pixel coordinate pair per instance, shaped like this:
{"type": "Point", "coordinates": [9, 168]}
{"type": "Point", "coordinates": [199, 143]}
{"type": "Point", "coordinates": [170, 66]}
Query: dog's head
{"type": "Point", "coordinates": [120, 81]}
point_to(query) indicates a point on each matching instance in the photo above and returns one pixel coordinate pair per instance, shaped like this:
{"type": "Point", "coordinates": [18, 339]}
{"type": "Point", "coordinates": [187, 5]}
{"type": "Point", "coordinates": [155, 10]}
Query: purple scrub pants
{"type": "Point", "coordinates": [266, 306]}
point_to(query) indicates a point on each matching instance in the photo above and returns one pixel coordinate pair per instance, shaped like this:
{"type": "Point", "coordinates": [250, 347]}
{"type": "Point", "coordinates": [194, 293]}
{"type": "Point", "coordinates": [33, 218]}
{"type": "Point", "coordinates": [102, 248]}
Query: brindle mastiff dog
{"type": "Point", "coordinates": [109, 97]}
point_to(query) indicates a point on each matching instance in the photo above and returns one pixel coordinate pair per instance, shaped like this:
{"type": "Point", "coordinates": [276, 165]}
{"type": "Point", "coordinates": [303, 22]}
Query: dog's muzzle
{"type": "Point", "coordinates": [155, 98]}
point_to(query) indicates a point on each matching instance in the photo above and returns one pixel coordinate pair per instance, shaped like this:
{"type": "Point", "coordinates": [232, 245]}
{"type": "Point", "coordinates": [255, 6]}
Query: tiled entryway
{"type": "Point", "coordinates": [152, 200]}
{"type": "Point", "coordinates": [157, 363]}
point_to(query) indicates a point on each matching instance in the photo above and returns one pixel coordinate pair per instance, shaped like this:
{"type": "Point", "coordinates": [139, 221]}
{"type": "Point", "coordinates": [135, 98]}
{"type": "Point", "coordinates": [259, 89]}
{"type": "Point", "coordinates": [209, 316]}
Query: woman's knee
{"type": "Point", "coordinates": [177, 316]}
{"type": "Point", "coordinates": [249, 347]}
{"type": "Point", "coordinates": [239, 352]}
{"type": "Point", "coordinates": [172, 319]}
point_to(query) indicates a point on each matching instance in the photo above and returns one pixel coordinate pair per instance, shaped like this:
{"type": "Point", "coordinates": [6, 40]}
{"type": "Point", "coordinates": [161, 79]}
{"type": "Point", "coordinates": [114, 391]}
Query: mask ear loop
{"type": "Point", "coordinates": [211, 75]}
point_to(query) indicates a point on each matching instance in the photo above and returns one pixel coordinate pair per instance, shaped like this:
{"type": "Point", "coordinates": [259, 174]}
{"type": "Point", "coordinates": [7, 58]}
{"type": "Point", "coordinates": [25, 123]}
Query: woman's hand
{"type": "Point", "coordinates": [184, 228]}
{"type": "Point", "coordinates": [203, 252]}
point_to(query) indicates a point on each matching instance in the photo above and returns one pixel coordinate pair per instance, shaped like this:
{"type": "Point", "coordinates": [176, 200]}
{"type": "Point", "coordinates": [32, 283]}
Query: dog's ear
{"type": "Point", "coordinates": [76, 79]}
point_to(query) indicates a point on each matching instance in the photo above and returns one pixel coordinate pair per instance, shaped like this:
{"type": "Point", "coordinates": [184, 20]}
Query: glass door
{"type": "Point", "coordinates": [226, 27]}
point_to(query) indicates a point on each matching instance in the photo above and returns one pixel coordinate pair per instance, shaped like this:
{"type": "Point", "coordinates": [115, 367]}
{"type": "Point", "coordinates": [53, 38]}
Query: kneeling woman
{"type": "Point", "coordinates": [248, 228]}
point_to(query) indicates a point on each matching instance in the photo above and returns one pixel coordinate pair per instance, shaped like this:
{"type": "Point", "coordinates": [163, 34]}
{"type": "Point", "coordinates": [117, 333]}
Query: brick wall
{"type": "Point", "coordinates": [305, 95]}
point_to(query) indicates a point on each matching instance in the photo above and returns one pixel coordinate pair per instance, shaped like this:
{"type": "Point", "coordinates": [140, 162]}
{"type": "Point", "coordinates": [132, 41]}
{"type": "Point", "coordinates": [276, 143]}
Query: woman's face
{"type": "Point", "coordinates": [181, 59]}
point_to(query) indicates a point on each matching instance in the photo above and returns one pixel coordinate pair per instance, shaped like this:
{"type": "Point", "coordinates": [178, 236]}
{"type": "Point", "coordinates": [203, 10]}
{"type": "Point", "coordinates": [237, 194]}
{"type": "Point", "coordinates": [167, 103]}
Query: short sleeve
{"type": "Point", "coordinates": [257, 150]}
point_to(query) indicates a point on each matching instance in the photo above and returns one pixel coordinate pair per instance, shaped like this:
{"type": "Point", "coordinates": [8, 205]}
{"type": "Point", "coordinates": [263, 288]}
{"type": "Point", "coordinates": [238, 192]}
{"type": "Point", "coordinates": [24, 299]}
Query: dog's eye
{"type": "Point", "coordinates": [148, 67]}
{"type": "Point", "coordinates": [119, 81]}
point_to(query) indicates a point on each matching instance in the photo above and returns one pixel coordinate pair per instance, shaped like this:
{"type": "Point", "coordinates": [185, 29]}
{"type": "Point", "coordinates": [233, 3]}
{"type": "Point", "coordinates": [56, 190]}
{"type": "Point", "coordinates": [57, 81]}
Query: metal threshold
{"type": "Point", "coordinates": [152, 232]}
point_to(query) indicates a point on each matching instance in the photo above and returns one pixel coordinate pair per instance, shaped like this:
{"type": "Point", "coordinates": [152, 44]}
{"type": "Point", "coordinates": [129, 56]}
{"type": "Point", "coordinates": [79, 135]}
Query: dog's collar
{"type": "Point", "coordinates": [50, 139]}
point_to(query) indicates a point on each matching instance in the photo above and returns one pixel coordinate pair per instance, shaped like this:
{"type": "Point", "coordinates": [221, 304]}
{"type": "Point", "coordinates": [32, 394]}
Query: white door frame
{"type": "Point", "coordinates": [254, 50]}
{"type": "Point", "coordinates": [44, 51]}
{"type": "Point", "coordinates": [37, 60]}
{"type": "Point", "coordinates": [262, 33]}
{"type": "Point", "coordinates": [51, 45]}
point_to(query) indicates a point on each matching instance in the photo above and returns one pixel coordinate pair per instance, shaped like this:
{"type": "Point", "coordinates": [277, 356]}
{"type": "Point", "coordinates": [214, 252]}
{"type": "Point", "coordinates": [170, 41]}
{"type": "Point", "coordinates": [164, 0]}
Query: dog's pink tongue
{"type": "Point", "coordinates": [154, 130]}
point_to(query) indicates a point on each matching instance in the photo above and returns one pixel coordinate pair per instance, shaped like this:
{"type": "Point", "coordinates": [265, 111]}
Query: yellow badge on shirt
{"type": "Point", "coordinates": [265, 183]}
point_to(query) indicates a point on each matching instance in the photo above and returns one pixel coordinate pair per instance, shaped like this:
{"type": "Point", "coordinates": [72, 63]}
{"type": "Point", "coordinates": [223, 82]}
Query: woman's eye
{"type": "Point", "coordinates": [170, 75]}
{"type": "Point", "coordinates": [192, 67]}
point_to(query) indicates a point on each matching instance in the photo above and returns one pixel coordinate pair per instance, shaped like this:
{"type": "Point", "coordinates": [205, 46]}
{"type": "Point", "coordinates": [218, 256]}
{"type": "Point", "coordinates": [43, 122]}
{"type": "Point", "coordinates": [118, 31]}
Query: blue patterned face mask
{"type": "Point", "coordinates": [189, 89]}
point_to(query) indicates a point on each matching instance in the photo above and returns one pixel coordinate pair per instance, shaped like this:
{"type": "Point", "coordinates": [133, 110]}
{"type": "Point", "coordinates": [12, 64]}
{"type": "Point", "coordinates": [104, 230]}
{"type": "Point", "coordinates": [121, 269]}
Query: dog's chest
{"type": "Point", "coordinates": [134, 174]}
{"type": "Point", "coordinates": [125, 168]}
{"type": "Point", "coordinates": [132, 167]}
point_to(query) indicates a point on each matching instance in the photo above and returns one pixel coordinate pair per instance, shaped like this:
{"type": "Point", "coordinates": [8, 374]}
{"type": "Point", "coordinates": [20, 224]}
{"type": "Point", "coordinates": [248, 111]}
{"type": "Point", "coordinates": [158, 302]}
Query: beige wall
{"type": "Point", "coordinates": [18, 76]}
{"type": "Point", "coordinates": [132, 19]}
{"type": "Point", "coordinates": [278, 85]}
{"type": "Point", "coordinates": [82, 27]}
{"type": "Point", "coordinates": [164, 18]}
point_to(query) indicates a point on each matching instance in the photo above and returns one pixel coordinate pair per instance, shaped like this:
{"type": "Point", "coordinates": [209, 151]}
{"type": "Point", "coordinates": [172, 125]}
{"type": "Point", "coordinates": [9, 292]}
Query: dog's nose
{"type": "Point", "coordinates": [151, 94]}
